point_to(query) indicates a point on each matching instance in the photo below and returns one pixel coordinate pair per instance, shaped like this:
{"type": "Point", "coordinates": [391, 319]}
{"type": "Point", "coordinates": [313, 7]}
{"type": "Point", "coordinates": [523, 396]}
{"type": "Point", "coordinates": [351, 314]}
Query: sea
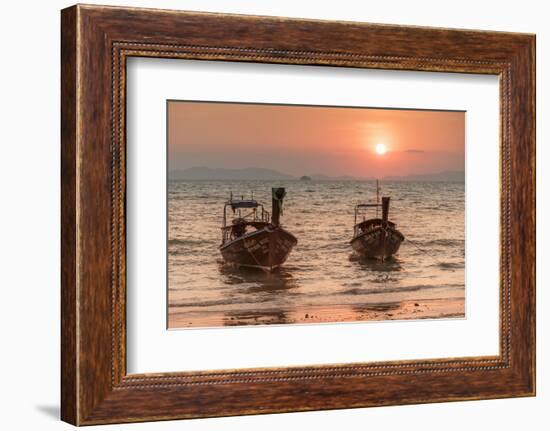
{"type": "Point", "coordinates": [322, 273]}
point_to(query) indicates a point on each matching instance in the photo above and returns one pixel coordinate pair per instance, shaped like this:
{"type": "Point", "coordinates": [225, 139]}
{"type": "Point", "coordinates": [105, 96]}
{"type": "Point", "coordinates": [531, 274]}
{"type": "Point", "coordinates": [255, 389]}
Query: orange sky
{"type": "Point", "coordinates": [304, 140]}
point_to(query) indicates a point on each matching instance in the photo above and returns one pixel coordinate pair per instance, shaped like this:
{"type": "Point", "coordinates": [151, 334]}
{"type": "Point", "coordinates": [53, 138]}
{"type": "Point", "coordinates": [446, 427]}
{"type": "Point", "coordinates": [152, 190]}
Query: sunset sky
{"type": "Point", "coordinates": [300, 140]}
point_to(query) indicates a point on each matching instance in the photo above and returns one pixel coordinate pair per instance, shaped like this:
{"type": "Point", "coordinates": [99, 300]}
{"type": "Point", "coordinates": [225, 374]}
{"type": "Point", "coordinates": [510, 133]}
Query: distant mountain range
{"type": "Point", "coordinates": [322, 177]}
{"type": "Point", "coordinates": [204, 173]}
{"type": "Point", "coordinates": [438, 176]}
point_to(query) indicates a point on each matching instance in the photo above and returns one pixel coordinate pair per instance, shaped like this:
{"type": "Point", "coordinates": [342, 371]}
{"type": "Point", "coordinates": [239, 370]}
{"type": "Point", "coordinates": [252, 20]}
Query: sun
{"type": "Point", "coordinates": [380, 149]}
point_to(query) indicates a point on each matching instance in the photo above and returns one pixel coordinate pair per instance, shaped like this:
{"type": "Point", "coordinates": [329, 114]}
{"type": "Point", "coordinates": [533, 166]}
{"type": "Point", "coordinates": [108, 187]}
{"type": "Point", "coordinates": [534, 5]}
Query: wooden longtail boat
{"type": "Point", "coordinates": [375, 238]}
{"type": "Point", "coordinates": [252, 239]}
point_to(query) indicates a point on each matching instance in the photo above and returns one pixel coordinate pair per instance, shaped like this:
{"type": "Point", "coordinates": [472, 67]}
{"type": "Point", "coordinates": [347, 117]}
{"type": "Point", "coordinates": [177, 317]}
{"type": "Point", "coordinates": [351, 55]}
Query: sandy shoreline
{"type": "Point", "coordinates": [403, 310]}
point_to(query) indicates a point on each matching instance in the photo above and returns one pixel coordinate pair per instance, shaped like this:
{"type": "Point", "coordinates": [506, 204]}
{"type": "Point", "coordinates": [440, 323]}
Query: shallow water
{"type": "Point", "coordinates": [321, 271]}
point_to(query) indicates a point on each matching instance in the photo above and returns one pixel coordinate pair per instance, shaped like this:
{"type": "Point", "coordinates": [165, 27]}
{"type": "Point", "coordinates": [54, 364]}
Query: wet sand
{"type": "Point", "coordinates": [403, 310]}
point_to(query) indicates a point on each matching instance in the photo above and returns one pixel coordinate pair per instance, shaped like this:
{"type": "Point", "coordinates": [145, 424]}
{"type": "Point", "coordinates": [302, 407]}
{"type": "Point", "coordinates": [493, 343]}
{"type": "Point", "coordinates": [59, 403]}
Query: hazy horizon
{"type": "Point", "coordinates": [311, 140]}
{"type": "Point", "coordinates": [285, 175]}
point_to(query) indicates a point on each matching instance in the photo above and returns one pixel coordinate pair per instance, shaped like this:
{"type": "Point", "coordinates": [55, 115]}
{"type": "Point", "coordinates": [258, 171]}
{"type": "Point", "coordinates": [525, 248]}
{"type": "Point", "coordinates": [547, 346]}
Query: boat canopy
{"type": "Point", "coordinates": [368, 205]}
{"type": "Point", "coordinates": [243, 204]}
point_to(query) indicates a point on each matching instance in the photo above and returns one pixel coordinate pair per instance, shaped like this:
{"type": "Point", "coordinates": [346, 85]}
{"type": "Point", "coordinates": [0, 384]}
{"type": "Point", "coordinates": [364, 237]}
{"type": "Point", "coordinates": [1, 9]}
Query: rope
{"type": "Point", "coordinates": [424, 251]}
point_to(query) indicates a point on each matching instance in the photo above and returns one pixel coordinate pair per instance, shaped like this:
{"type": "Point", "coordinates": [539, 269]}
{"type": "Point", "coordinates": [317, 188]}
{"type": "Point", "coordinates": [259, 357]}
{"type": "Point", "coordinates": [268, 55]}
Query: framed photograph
{"type": "Point", "coordinates": [266, 215]}
{"type": "Point", "coordinates": [334, 254]}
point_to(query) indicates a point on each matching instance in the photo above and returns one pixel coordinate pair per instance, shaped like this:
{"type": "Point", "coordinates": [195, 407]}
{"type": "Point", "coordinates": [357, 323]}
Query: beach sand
{"type": "Point", "coordinates": [403, 310]}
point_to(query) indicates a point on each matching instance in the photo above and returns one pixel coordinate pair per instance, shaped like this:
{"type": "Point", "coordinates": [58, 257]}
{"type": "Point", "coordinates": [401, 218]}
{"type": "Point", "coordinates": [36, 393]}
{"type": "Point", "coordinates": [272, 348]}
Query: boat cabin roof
{"type": "Point", "coordinates": [368, 205]}
{"type": "Point", "coordinates": [243, 204]}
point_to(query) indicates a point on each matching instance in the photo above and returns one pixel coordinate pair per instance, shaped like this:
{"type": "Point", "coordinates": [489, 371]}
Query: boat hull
{"type": "Point", "coordinates": [378, 243]}
{"type": "Point", "coordinates": [267, 248]}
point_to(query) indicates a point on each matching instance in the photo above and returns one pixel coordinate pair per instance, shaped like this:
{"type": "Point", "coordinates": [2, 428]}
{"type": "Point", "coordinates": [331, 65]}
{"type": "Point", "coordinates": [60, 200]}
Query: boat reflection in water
{"type": "Point", "coordinates": [257, 280]}
{"type": "Point", "coordinates": [380, 271]}
{"type": "Point", "coordinates": [253, 240]}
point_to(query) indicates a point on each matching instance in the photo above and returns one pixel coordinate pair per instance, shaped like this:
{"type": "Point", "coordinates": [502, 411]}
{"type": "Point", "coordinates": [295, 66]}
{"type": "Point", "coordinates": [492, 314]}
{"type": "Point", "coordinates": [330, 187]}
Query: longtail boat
{"type": "Point", "coordinates": [252, 238]}
{"type": "Point", "coordinates": [375, 238]}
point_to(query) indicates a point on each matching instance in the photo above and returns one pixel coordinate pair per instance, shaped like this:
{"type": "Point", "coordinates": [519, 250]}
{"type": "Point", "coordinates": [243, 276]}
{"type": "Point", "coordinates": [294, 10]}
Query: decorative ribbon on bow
{"type": "Point", "coordinates": [278, 194]}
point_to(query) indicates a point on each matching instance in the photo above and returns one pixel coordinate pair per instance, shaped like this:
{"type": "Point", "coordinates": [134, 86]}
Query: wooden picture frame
{"type": "Point", "coordinates": [95, 43]}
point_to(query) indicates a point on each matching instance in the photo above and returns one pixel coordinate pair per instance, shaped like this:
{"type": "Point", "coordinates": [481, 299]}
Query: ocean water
{"type": "Point", "coordinates": [321, 273]}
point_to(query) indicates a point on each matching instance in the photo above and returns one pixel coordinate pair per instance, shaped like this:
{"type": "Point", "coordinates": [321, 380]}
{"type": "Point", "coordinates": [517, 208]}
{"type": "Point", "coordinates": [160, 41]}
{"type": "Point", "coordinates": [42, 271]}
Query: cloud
{"type": "Point", "coordinates": [414, 151]}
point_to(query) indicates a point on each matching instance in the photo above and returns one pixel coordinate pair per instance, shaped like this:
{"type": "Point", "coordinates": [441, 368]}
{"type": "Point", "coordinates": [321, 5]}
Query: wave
{"type": "Point", "coordinates": [450, 265]}
{"type": "Point", "coordinates": [252, 300]}
{"type": "Point", "coordinates": [444, 242]}
{"type": "Point", "coordinates": [359, 291]}
{"type": "Point", "coordinates": [187, 241]}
